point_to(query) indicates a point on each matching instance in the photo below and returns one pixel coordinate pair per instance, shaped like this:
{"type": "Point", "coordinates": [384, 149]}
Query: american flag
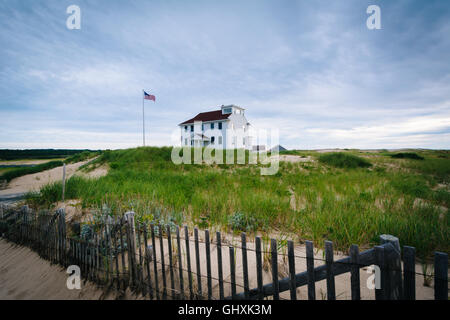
{"type": "Point", "coordinates": [149, 96]}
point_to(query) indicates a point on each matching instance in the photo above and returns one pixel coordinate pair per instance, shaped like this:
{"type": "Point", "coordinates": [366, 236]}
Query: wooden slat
{"type": "Point", "coordinates": [440, 276]}
{"type": "Point", "coordinates": [232, 273]}
{"type": "Point", "coordinates": [197, 263]}
{"type": "Point", "coordinates": [381, 263]}
{"type": "Point", "coordinates": [208, 264]}
{"type": "Point", "coordinates": [331, 291]}
{"type": "Point", "coordinates": [274, 255]}
{"type": "Point", "coordinates": [188, 260]}
{"type": "Point", "coordinates": [148, 255]}
{"type": "Point", "coordinates": [169, 244]}
{"type": "Point", "coordinates": [244, 264]}
{"type": "Point", "coordinates": [122, 251]}
{"type": "Point", "coordinates": [219, 264]}
{"type": "Point", "coordinates": [155, 261]}
{"type": "Point", "coordinates": [180, 265]}
{"type": "Point", "coordinates": [409, 273]}
{"type": "Point", "coordinates": [310, 270]}
{"type": "Point", "coordinates": [163, 267]}
{"type": "Point", "coordinates": [354, 279]}
{"type": "Point", "coordinates": [259, 277]}
{"type": "Point", "coordinates": [292, 287]}
{"type": "Point", "coordinates": [140, 268]}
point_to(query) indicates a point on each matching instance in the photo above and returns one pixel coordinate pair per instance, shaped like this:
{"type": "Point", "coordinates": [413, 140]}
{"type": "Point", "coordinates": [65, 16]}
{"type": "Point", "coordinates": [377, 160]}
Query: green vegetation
{"type": "Point", "coordinates": [18, 172]}
{"type": "Point", "coordinates": [347, 197]}
{"type": "Point", "coordinates": [12, 173]}
{"type": "Point", "coordinates": [8, 154]}
{"type": "Point", "coordinates": [407, 155]}
{"type": "Point", "coordinates": [343, 160]}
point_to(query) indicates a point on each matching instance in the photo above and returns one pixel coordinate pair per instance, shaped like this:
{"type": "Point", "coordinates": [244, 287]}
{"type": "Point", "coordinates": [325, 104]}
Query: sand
{"type": "Point", "coordinates": [24, 275]}
{"type": "Point", "coordinates": [33, 182]}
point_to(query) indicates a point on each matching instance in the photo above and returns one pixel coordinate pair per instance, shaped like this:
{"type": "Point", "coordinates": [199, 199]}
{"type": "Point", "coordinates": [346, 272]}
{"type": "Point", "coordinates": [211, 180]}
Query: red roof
{"type": "Point", "coordinates": [208, 116]}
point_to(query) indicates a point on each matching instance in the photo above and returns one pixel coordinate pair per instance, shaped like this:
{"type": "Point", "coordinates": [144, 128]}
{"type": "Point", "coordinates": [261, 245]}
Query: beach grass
{"type": "Point", "coordinates": [350, 198]}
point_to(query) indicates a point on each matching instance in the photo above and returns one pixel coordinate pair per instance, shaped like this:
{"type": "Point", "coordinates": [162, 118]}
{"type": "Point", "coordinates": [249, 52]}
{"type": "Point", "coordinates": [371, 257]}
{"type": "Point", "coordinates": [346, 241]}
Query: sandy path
{"type": "Point", "coordinates": [24, 275]}
{"type": "Point", "coordinates": [27, 162]}
{"type": "Point", "coordinates": [33, 182]}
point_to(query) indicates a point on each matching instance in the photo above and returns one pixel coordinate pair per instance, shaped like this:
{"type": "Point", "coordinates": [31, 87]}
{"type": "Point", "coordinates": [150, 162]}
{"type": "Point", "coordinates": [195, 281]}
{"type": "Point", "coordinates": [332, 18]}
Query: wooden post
{"type": "Point", "coordinates": [259, 277]}
{"type": "Point", "coordinates": [64, 182]}
{"type": "Point", "coordinates": [393, 264]}
{"type": "Point", "coordinates": [163, 267]}
{"type": "Point", "coordinates": [292, 286]}
{"type": "Point", "coordinates": [355, 283]}
{"type": "Point", "coordinates": [197, 262]}
{"type": "Point", "coordinates": [155, 263]}
{"type": "Point", "coordinates": [169, 245]}
{"type": "Point", "coordinates": [409, 273]}
{"type": "Point", "coordinates": [219, 264]}
{"type": "Point", "coordinates": [180, 265]}
{"type": "Point", "coordinates": [188, 261]}
{"type": "Point", "coordinates": [380, 293]}
{"type": "Point", "coordinates": [233, 273]}
{"type": "Point", "coordinates": [274, 254]}
{"type": "Point", "coordinates": [244, 264]}
{"type": "Point", "coordinates": [132, 246]}
{"type": "Point", "coordinates": [208, 264]}
{"type": "Point", "coordinates": [331, 291]}
{"type": "Point", "coordinates": [310, 270]}
{"type": "Point", "coordinates": [440, 276]}
{"type": "Point", "coordinates": [148, 259]}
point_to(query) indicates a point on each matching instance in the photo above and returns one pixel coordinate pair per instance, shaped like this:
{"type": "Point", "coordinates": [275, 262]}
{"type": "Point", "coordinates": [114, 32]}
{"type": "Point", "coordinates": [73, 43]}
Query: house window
{"type": "Point", "coordinates": [192, 142]}
{"type": "Point", "coordinates": [192, 128]}
{"type": "Point", "coordinates": [220, 139]}
{"type": "Point", "coordinates": [220, 125]}
{"type": "Point", "coordinates": [185, 128]}
{"type": "Point", "coordinates": [212, 125]}
{"type": "Point", "coordinates": [203, 127]}
{"type": "Point", "coordinates": [212, 139]}
{"type": "Point", "coordinates": [227, 110]}
{"type": "Point", "coordinates": [243, 141]}
{"type": "Point", "coordinates": [185, 141]}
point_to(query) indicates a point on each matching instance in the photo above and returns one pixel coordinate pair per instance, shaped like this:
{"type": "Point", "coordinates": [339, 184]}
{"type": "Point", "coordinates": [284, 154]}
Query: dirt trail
{"type": "Point", "coordinates": [33, 182]}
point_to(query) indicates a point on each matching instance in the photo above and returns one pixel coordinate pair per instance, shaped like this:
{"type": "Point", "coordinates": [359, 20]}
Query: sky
{"type": "Point", "coordinates": [311, 69]}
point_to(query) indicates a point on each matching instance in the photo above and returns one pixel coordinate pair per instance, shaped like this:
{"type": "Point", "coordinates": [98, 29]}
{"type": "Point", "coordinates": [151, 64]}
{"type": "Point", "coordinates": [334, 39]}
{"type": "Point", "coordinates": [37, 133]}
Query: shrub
{"type": "Point", "coordinates": [344, 160]}
{"type": "Point", "coordinates": [407, 155]}
{"type": "Point", "coordinates": [239, 221]}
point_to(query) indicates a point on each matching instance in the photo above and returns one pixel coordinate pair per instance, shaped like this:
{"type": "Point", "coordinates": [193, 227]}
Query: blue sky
{"type": "Point", "coordinates": [312, 69]}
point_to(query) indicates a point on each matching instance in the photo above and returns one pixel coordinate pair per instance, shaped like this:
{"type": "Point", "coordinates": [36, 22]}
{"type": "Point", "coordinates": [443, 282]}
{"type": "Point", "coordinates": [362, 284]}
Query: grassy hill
{"type": "Point", "coordinates": [348, 198]}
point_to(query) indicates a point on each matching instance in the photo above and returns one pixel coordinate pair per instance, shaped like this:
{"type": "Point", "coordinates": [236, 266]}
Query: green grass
{"type": "Point", "coordinates": [343, 160]}
{"type": "Point", "coordinates": [344, 198]}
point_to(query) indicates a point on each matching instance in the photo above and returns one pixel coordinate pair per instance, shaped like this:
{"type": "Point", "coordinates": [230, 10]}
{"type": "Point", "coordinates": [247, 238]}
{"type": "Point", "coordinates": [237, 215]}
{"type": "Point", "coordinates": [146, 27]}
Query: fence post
{"type": "Point", "coordinates": [441, 276]}
{"type": "Point", "coordinates": [394, 268]}
{"type": "Point", "coordinates": [129, 217]}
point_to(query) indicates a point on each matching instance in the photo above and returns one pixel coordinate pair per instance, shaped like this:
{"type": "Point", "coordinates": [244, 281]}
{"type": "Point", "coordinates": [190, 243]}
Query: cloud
{"type": "Point", "coordinates": [311, 69]}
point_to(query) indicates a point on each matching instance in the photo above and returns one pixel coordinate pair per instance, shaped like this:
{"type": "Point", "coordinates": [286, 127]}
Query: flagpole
{"type": "Point", "coordinates": [143, 121]}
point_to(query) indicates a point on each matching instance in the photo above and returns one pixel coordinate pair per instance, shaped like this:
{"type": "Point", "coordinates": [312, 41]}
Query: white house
{"type": "Point", "coordinates": [226, 128]}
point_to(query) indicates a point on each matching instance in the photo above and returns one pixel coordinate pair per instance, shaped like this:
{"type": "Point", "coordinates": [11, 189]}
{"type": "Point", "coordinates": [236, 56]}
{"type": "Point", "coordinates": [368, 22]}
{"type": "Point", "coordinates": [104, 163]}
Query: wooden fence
{"type": "Point", "coordinates": [160, 263]}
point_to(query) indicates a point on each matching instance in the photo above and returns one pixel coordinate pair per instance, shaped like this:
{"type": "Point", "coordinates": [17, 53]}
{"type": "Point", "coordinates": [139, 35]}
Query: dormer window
{"type": "Point", "coordinates": [227, 110]}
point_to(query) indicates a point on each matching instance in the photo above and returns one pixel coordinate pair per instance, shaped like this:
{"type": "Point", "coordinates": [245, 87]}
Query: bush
{"type": "Point", "coordinates": [239, 221]}
{"type": "Point", "coordinates": [343, 160]}
{"type": "Point", "coordinates": [407, 155]}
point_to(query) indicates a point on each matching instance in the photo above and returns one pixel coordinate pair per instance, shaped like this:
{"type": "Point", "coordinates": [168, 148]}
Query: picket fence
{"type": "Point", "coordinates": [120, 253]}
